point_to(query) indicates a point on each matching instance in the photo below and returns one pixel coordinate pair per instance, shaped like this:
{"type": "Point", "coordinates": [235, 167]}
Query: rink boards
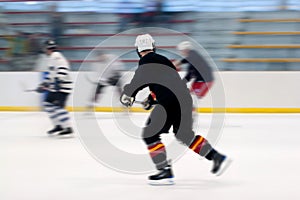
{"type": "Point", "coordinates": [236, 92]}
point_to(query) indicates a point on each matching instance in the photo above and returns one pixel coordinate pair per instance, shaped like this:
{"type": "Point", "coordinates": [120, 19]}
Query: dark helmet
{"type": "Point", "coordinates": [50, 44]}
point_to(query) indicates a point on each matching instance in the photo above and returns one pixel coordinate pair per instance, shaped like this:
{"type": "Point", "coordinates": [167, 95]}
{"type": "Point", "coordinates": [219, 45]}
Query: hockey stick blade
{"type": "Point", "coordinates": [23, 85]}
{"type": "Point", "coordinates": [30, 90]}
{"type": "Point", "coordinates": [139, 102]}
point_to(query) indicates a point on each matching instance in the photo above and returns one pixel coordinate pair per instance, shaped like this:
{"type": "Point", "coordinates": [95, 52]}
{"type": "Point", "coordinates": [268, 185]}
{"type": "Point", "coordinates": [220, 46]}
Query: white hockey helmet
{"type": "Point", "coordinates": [144, 42]}
{"type": "Point", "coordinates": [185, 45]}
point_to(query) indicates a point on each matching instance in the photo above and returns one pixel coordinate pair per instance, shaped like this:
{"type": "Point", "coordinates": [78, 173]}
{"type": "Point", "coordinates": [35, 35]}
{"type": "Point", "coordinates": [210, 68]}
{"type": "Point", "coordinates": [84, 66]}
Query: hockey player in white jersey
{"type": "Point", "coordinates": [107, 71]}
{"type": "Point", "coordinates": [58, 83]}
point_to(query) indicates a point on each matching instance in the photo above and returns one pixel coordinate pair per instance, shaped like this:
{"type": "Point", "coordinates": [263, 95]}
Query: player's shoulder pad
{"type": "Point", "coordinates": [56, 55]}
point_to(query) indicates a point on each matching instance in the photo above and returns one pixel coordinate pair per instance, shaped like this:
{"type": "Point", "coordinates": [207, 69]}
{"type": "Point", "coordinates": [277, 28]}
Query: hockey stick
{"type": "Point", "coordinates": [24, 87]}
{"type": "Point", "coordinates": [95, 82]}
{"type": "Point", "coordinates": [30, 90]}
{"type": "Point", "coordinates": [139, 102]}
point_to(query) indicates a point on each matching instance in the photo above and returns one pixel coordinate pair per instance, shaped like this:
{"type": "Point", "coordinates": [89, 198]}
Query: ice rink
{"type": "Point", "coordinates": [264, 148]}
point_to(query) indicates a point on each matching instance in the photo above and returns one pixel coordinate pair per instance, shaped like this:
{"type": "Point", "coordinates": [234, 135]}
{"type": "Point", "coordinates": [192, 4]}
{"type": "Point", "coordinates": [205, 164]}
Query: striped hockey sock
{"type": "Point", "coordinates": [63, 117]}
{"type": "Point", "coordinates": [158, 154]}
{"type": "Point", "coordinates": [197, 144]}
{"type": "Point", "coordinates": [51, 109]}
{"type": "Point", "coordinates": [202, 147]}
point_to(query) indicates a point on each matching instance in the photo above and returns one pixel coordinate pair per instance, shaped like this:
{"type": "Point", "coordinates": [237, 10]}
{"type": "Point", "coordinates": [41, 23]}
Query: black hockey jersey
{"type": "Point", "coordinates": [198, 68]}
{"type": "Point", "coordinates": [160, 75]}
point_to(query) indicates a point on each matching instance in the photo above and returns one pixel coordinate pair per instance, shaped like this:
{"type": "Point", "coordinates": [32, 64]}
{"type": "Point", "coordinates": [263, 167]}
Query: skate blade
{"type": "Point", "coordinates": [166, 181]}
{"type": "Point", "coordinates": [65, 136]}
{"type": "Point", "coordinates": [226, 163]}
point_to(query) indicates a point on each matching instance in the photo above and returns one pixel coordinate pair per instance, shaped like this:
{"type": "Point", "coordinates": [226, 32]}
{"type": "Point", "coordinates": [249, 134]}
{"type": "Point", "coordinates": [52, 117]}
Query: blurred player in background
{"type": "Point", "coordinates": [58, 85]}
{"type": "Point", "coordinates": [179, 115]}
{"type": "Point", "coordinates": [198, 70]}
{"type": "Point", "coordinates": [108, 72]}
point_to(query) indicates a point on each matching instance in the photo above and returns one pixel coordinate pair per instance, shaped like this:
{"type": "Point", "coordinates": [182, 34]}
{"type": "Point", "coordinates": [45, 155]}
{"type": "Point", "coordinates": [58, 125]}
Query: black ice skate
{"type": "Point", "coordinates": [220, 164]}
{"type": "Point", "coordinates": [66, 131]}
{"type": "Point", "coordinates": [163, 177]}
{"type": "Point", "coordinates": [57, 128]}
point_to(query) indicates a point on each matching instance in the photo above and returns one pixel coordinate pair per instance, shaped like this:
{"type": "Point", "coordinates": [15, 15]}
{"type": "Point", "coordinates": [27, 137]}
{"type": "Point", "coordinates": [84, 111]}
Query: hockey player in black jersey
{"type": "Point", "coordinates": [58, 85]}
{"type": "Point", "coordinates": [172, 104]}
{"type": "Point", "coordinates": [198, 69]}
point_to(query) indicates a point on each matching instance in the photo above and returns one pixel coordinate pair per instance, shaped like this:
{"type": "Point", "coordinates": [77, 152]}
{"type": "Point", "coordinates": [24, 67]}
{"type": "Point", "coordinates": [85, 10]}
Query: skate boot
{"type": "Point", "coordinates": [220, 164]}
{"type": "Point", "coordinates": [66, 131]}
{"type": "Point", "coordinates": [57, 128]}
{"type": "Point", "coordinates": [163, 177]}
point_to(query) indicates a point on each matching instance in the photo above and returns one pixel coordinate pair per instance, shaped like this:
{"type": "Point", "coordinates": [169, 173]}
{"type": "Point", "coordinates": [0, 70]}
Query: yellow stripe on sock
{"type": "Point", "coordinates": [197, 143]}
{"type": "Point", "coordinates": [156, 147]}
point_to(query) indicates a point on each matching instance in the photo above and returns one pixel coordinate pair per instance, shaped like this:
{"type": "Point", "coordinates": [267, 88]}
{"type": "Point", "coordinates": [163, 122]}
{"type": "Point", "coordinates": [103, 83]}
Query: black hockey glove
{"type": "Point", "coordinates": [148, 103]}
{"type": "Point", "coordinates": [42, 87]}
{"type": "Point", "coordinates": [126, 100]}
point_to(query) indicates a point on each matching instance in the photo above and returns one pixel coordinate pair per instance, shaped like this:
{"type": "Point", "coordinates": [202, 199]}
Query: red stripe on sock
{"type": "Point", "coordinates": [197, 144]}
{"type": "Point", "coordinates": [160, 151]}
{"type": "Point", "coordinates": [194, 141]}
{"type": "Point", "coordinates": [156, 149]}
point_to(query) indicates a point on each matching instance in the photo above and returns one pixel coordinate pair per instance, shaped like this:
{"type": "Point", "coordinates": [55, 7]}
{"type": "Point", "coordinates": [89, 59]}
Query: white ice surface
{"type": "Point", "coordinates": [265, 149]}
